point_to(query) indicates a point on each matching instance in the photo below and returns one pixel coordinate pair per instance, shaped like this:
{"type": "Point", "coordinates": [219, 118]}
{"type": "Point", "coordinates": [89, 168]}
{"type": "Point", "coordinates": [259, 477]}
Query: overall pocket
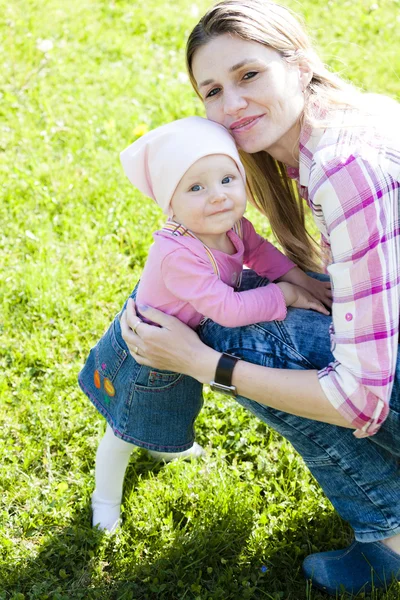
{"type": "Point", "coordinates": [153, 380]}
{"type": "Point", "coordinates": [162, 409]}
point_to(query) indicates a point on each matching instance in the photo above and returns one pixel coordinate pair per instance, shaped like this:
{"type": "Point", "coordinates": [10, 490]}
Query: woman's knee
{"type": "Point", "coordinates": [301, 341]}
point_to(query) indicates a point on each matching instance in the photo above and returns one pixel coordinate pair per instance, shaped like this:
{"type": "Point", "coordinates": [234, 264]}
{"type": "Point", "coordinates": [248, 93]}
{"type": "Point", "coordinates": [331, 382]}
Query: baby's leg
{"type": "Point", "coordinates": [111, 461]}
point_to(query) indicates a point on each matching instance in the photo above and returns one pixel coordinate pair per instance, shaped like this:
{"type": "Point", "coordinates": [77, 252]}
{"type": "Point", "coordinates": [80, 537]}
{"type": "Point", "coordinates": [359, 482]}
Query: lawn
{"type": "Point", "coordinates": [80, 80]}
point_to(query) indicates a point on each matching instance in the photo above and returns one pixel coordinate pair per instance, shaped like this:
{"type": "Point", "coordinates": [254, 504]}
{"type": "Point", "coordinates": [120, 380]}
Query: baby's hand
{"type": "Point", "coordinates": [298, 297]}
{"type": "Point", "coordinates": [321, 290]}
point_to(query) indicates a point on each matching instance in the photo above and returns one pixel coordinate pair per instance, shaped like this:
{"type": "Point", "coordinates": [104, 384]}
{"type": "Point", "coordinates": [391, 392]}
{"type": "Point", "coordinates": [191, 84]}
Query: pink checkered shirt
{"type": "Point", "coordinates": [350, 178]}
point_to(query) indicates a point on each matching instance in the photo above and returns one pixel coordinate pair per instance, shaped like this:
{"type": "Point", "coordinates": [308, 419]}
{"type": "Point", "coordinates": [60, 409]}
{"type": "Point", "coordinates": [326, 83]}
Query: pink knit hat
{"type": "Point", "coordinates": [157, 161]}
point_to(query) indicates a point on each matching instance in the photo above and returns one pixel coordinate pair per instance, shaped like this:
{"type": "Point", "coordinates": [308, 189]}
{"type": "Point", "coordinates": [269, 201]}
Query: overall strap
{"type": "Point", "coordinates": [176, 229]}
{"type": "Point", "coordinates": [238, 229]}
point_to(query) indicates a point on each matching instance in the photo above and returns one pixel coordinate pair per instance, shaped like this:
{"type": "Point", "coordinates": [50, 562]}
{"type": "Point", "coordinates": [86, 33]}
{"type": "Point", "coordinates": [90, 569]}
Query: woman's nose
{"type": "Point", "coordinates": [233, 102]}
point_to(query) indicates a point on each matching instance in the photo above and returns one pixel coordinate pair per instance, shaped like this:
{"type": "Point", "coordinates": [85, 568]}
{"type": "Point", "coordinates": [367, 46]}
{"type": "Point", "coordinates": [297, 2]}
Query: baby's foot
{"type": "Point", "coordinates": [196, 451]}
{"type": "Point", "coordinates": [105, 515]}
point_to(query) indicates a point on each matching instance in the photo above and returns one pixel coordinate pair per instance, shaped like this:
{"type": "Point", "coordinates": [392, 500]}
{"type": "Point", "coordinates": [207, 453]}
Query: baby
{"type": "Point", "coordinates": [192, 169]}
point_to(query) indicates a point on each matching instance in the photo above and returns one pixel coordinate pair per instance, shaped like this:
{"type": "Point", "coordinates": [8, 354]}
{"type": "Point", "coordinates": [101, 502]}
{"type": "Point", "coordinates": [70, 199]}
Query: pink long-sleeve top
{"type": "Point", "coordinates": [179, 279]}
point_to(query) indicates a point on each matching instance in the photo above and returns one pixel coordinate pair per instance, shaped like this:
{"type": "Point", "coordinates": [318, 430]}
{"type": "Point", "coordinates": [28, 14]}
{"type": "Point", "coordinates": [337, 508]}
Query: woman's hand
{"type": "Point", "coordinates": [171, 347]}
{"type": "Point", "coordinates": [298, 297]}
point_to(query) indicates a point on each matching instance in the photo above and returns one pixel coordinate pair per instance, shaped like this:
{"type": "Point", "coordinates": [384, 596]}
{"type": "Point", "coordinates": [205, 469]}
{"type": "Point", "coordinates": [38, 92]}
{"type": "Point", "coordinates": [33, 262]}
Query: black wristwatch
{"type": "Point", "coordinates": [223, 375]}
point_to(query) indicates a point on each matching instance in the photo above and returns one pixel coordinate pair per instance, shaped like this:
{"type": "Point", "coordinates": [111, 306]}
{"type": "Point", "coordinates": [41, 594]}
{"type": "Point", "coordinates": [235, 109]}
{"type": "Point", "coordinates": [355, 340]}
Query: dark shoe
{"type": "Point", "coordinates": [358, 567]}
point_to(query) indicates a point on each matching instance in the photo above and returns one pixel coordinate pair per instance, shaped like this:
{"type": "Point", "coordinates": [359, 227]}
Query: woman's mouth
{"type": "Point", "coordinates": [245, 124]}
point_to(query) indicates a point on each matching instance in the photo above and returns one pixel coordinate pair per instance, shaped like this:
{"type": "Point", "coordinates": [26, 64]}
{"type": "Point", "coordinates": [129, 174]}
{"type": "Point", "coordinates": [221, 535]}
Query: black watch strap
{"type": "Point", "coordinates": [225, 366]}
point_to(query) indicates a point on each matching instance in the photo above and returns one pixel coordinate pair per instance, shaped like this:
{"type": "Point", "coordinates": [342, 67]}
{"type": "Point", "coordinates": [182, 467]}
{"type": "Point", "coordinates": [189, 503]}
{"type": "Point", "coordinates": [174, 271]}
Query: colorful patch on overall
{"type": "Point", "coordinates": [109, 388]}
{"type": "Point", "coordinates": [97, 379]}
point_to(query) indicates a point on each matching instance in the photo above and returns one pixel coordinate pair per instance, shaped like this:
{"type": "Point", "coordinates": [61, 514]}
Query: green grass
{"type": "Point", "coordinates": [73, 240]}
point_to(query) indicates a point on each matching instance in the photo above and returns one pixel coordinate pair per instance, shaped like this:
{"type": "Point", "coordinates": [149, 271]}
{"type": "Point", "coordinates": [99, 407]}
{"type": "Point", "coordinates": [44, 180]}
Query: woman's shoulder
{"type": "Point", "coordinates": [369, 133]}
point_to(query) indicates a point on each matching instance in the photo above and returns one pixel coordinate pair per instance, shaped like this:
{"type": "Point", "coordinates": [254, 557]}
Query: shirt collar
{"type": "Point", "coordinates": [308, 143]}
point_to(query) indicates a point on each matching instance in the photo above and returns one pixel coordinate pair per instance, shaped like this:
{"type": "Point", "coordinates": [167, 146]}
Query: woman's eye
{"type": "Point", "coordinates": [227, 179]}
{"type": "Point", "coordinates": [250, 75]}
{"type": "Point", "coordinates": [212, 92]}
{"type": "Point", "coordinates": [195, 188]}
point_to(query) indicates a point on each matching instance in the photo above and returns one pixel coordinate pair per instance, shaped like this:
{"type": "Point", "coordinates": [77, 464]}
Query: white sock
{"type": "Point", "coordinates": [111, 461]}
{"type": "Point", "coordinates": [105, 515]}
{"type": "Point", "coordinates": [196, 451]}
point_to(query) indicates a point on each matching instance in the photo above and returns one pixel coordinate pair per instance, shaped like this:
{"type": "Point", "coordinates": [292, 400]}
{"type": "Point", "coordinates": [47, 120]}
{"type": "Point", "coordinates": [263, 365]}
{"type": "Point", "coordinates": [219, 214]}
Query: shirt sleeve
{"type": "Point", "coordinates": [359, 203]}
{"type": "Point", "coordinates": [261, 256]}
{"type": "Point", "coordinates": [191, 278]}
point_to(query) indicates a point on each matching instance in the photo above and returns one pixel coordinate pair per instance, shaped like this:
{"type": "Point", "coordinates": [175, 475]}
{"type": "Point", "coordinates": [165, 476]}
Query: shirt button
{"type": "Point", "coordinates": [349, 317]}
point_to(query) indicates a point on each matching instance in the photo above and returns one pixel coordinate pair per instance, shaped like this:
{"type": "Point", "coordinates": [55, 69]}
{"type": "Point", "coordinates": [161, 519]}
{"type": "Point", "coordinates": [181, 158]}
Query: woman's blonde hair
{"type": "Point", "coordinates": [271, 190]}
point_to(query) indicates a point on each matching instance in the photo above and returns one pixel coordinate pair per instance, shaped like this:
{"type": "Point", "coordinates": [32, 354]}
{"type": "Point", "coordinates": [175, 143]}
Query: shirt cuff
{"type": "Point", "coordinates": [281, 313]}
{"type": "Point", "coordinates": [337, 397]}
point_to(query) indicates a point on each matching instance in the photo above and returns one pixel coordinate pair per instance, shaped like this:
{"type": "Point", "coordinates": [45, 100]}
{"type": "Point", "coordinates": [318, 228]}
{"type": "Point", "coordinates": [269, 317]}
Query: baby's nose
{"type": "Point", "coordinates": [218, 196]}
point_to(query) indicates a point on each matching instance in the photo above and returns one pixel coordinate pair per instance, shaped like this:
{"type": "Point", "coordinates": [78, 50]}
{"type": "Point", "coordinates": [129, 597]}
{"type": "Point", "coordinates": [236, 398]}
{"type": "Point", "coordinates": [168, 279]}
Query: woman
{"type": "Point", "coordinates": [303, 131]}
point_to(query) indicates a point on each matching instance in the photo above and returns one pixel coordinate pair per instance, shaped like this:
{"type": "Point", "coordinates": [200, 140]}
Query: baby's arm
{"type": "Point", "coordinates": [261, 256]}
{"type": "Point", "coordinates": [191, 278]}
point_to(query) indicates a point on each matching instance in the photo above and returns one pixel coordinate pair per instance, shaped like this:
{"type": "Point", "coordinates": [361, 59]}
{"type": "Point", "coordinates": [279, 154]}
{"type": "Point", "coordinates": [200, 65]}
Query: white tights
{"type": "Point", "coordinates": [111, 462]}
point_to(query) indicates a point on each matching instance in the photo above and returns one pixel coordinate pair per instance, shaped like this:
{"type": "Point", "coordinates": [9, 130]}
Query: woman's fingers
{"type": "Point", "coordinates": [132, 339]}
{"type": "Point", "coordinates": [130, 313]}
{"type": "Point", "coordinates": [142, 360]}
{"type": "Point", "coordinates": [158, 317]}
{"type": "Point", "coordinates": [152, 314]}
{"type": "Point", "coordinates": [172, 346]}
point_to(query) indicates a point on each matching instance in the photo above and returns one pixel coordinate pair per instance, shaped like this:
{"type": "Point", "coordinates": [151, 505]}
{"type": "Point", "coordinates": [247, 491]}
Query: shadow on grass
{"type": "Point", "coordinates": [207, 560]}
{"type": "Point", "coordinates": [67, 562]}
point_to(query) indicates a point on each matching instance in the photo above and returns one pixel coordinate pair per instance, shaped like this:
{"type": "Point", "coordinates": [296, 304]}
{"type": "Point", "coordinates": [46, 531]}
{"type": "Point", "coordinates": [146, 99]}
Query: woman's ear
{"type": "Point", "coordinates": [305, 73]}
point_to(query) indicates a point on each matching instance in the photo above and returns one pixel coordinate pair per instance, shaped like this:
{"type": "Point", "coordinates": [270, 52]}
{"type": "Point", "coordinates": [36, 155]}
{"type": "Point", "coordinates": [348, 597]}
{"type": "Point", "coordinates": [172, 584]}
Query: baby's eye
{"type": "Point", "coordinates": [250, 75]}
{"type": "Point", "coordinates": [227, 179]}
{"type": "Point", "coordinates": [212, 92]}
{"type": "Point", "coordinates": [196, 188]}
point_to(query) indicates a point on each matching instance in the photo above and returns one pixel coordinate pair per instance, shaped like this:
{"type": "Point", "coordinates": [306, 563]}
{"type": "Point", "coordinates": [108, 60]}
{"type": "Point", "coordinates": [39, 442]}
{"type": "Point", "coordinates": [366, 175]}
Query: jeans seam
{"type": "Point", "coordinates": [282, 340]}
{"type": "Point", "coordinates": [337, 463]}
{"type": "Point", "coordinates": [285, 335]}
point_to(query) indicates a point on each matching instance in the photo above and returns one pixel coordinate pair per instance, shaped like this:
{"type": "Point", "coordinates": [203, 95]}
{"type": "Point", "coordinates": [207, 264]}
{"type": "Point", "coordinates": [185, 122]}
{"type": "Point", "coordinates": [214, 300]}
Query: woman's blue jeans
{"type": "Point", "coordinates": [361, 477]}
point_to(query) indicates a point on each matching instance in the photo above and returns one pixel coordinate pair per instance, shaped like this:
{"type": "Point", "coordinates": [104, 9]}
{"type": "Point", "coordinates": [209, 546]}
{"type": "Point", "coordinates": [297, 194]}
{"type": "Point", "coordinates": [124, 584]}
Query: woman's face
{"type": "Point", "coordinates": [253, 92]}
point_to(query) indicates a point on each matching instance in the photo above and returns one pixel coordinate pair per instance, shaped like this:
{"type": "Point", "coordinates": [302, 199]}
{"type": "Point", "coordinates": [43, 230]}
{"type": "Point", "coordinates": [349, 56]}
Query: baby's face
{"type": "Point", "coordinates": [211, 196]}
